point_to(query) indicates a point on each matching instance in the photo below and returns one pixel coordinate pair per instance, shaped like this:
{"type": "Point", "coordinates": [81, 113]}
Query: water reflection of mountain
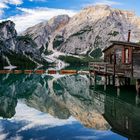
{"type": "Point", "coordinates": [60, 97]}
{"type": "Point", "coordinates": [13, 87]}
{"type": "Point", "coordinates": [7, 106]}
{"type": "Point", "coordinates": [70, 95]}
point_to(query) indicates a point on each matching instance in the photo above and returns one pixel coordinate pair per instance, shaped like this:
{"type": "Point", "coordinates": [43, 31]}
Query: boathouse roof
{"type": "Point", "coordinates": [123, 43]}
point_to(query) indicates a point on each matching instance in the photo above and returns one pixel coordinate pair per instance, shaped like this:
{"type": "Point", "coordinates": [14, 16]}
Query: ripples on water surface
{"type": "Point", "coordinates": [66, 107]}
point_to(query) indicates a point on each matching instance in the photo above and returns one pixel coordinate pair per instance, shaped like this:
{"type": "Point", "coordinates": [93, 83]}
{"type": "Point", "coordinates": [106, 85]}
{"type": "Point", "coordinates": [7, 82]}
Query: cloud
{"type": "Point", "coordinates": [29, 118]}
{"type": "Point", "coordinates": [38, 0]}
{"type": "Point", "coordinates": [107, 2]}
{"type": "Point", "coordinates": [102, 2]}
{"type": "Point", "coordinates": [4, 5]}
{"type": "Point", "coordinates": [30, 121]}
{"type": "Point", "coordinates": [3, 136]}
{"type": "Point", "coordinates": [30, 17]}
{"type": "Point", "coordinates": [13, 2]}
{"type": "Point", "coordinates": [35, 118]}
{"type": "Point", "coordinates": [1, 13]}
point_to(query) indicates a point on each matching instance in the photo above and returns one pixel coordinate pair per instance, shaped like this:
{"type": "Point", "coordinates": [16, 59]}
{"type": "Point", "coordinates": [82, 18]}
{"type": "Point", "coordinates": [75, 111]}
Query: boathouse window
{"type": "Point", "coordinates": [111, 58]}
{"type": "Point", "coordinates": [118, 56]}
{"type": "Point", "coordinates": [126, 122]}
{"type": "Point", "coordinates": [126, 55]}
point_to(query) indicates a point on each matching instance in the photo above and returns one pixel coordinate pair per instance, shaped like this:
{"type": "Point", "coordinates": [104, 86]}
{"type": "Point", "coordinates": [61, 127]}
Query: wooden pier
{"type": "Point", "coordinates": [111, 73]}
{"type": "Point", "coordinates": [103, 68]}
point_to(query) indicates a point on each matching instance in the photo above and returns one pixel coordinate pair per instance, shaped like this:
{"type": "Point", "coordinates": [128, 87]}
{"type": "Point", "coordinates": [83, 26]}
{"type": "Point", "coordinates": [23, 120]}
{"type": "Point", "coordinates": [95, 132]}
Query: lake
{"type": "Point", "coordinates": [66, 107]}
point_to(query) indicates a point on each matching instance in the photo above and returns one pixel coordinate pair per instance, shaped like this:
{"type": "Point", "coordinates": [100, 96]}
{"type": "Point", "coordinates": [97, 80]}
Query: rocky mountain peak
{"type": "Point", "coordinates": [95, 26]}
{"type": "Point", "coordinates": [96, 8]}
{"type": "Point", "coordinates": [7, 30]}
{"type": "Point", "coordinates": [17, 50]}
{"type": "Point", "coordinates": [88, 31]}
{"type": "Point", "coordinates": [7, 23]}
{"type": "Point", "coordinates": [8, 34]}
{"type": "Point", "coordinates": [40, 33]}
{"type": "Point", "coordinates": [60, 19]}
{"type": "Point", "coordinates": [92, 13]}
{"type": "Point", "coordinates": [105, 9]}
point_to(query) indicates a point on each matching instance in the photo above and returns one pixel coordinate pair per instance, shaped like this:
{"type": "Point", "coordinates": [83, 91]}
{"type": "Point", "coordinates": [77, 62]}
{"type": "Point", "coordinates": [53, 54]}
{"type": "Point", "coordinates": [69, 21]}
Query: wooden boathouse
{"type": "Point", "coordinates": [121, 60]}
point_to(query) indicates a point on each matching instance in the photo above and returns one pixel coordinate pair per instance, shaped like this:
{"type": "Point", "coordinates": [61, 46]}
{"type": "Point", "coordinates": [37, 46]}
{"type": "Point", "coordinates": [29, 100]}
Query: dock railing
{"type": "Point", "coordinates": [100, 67]}
{"type": "Point", "coordinates": [106, 68]}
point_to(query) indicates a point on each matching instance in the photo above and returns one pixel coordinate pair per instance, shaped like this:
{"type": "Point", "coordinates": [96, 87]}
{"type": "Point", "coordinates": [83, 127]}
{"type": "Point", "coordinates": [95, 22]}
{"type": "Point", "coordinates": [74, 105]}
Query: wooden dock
{"type": "Point", "coordinates": [103, 68]}
{"type": "Point", "coordinates": [112, 73]}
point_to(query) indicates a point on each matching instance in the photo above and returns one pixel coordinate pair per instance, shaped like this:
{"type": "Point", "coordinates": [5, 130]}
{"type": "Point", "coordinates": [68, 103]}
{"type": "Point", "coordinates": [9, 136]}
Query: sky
{"type": "Point", "coordinates": [26, 13]}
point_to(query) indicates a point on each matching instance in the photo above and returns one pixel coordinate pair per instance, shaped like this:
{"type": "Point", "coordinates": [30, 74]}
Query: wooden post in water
{"type": "Point", "coordinates": [138, 86]}
{"type": "Point", "coordinates": [95, 78]}
{"type": "Point", "coordinates": [105, 82]}
{"type": "Point", "coordinates": [127, 81]}
{"type": "Point", "coordinates": [114, 67]}
{"type": "Point", "coordinates": [108, 80]}
{"type": "Point", "coordinates": [113, 80]}
{"type": "Point", "coordinates": [137, 100]}
{"type": "Point", "coordinates": [118, 86]}
{"type": "Point", "coordinates": [91, 81]}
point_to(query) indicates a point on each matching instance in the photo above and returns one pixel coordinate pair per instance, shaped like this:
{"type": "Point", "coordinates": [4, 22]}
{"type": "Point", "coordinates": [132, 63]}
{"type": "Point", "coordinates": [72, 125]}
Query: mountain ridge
{"type": "Point", "coordinates": [93, 28]}
{"type": "Point", "coordinates": [85, 34]}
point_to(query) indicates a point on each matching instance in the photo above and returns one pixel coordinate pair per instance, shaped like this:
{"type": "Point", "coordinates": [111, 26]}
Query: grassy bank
{"type": "Point", "coordinates": [77, 60]}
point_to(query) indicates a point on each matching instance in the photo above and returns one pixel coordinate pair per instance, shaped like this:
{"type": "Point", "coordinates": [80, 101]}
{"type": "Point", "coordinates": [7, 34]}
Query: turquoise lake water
{"type": "Point", "coordinates": [66, 107]}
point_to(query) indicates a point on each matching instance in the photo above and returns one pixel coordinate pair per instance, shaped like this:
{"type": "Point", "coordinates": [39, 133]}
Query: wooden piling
{"type": "Point", "coordinates": [113, 80]}
{"type": "Point", "coordinates": [138, 86]}
{"type": "Point", "coordinates": [117, 82]}
{"type": "Point", "coordinates": [105, 82]}
{"type": "Point", "coordinates": [108, 80]}
{"type": "Point", "coordinates": [95, 78]}
{"type": "Point", "coordinates": [127, 81]}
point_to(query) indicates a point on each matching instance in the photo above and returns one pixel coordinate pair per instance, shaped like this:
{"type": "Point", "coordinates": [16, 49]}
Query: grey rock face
{"type": "Point", "coordinates": [42, 32]}
{"type": "Point", "coordinates": [8, 35]}
{"type": "Point", "coordinates": [26, 46]}
{"type": "Point", "coordinates": [17, 50]}
{"type": "Point", "coordinates": [95, 26]}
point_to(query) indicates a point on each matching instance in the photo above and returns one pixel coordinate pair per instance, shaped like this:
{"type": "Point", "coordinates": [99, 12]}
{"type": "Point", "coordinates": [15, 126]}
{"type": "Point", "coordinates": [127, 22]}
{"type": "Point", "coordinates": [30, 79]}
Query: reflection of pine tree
{"type": "Point", "coordinates": [7, 105]}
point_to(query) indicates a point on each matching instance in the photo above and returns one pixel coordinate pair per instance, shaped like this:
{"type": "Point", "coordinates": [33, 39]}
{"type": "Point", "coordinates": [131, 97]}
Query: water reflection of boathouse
{"type": "Point", "coordinates": [122, 115]}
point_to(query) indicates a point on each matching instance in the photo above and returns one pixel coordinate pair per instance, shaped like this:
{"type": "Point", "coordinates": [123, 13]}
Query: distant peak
{"type": "Point", "coordinates": [60, 17]}
{"type": "Point", "coordinates": [106, 9]}
{"type": "Point", "coordinates": [98, 6]}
